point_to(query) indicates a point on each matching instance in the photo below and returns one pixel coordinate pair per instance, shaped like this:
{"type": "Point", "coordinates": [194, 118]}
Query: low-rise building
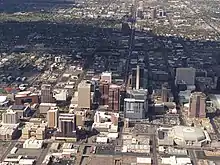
{"type": "Point", "coordinates": [33, 143]}
{"type": "Point", "coordinates": [34, 130]}
{"type": "Point", "coordinates": [26, 97]}
{"type": "Point", "coordinates": [44, 107]}
{"type": "Point", "coordinates": [106, 122]}
{"type": "Point", "coordinates": [183, 136]}
{"type": "Point", "coordinates": [22, 111]}
{"type": "Point", "coordinates": [8, 131]}
{"type": "Point", "coordinates": [135, 144]}
{"type": "Point", "coordinates": [60, 94]}
{"type": "Point", "coordinates": [173, 160]}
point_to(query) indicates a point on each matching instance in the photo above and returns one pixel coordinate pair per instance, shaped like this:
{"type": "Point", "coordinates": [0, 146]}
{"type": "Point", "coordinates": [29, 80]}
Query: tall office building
{"type": "Point", "coordinates": [154, 13]}
{"type": "Point", "coordinates": [114, 98]}
{"type": "Point", "coordinates": [139, 77]}
{"type": "Point", "coordinates": [84, 95]}
{"type": "Point", "coordinates": [67, 125]}
{"type": "Point", "coordinates": [10, 117]}
{"type": "Point", "coordinates": [136, 105]}
{"type": "Point", "coordinates": [186, 75]}
{"type": "Point", "coordinates": [164, 93]}
{"type": "Point", "coordinates": [104, 93]}
{"type": "Point", "coordinates": [197, 105]}
{"type": "Point", "coordinates": [52, 117]}
{"type": "Point", "coordinates": [47, 94]}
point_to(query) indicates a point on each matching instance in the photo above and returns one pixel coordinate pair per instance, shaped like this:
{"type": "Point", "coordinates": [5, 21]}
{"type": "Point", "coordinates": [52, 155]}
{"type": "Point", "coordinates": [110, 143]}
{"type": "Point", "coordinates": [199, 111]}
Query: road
{"type": "Point", "coordinates": [192, 156]}
{"type": "Point", "coordinates": [43, 154]}
{"type": "Point", "coordinates": [7, 151]}
{"type": "Point", "coordinates": [215, 128]}
{"type": "Point", "coordinates": [154, 150]}
{"type": "Point", "coordinates": [131, 44]}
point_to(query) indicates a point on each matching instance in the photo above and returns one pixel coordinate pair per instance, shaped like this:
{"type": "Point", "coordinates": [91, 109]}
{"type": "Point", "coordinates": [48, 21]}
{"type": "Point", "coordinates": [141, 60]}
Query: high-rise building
{"type": "Point", "coordinates": [10, 117]}
{"type": "Point", "coordinates": [114, 98]}
{"type": "Point", "coordinates": [136, 105]}
{"type": "Point", "coordinates": [47, 94]}
{"type": "Point", "coordinates": [139, 77]}
{"type": "Point", "coordinates": [186, 75]}
{"type": "Point", "coordinates": [164, 93]}
{"type": "Point", "coordinates": [67, 125]}
{"type": "Point", "coordinates": [104, 93]}
{"type": "Point", "coordinates": [197, 105]}
{"type": "Point", "coordinates": [106, 77]}
{"type": "Point", "coordinates": [80, 118]}
{"type": "Point", "coordinates": [218, 84]}
{"type": "Point", "coordinates": [84, 95]}
{"type": "Point", "coordinates": [154, 13]}
{"type": "Point", "coordinates": [52, 117]}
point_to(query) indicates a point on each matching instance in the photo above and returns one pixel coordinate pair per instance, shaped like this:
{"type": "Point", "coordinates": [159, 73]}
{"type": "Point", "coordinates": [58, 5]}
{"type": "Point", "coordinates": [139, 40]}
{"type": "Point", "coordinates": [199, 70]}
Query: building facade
{"type": "Point", "coordinates": [84, 95]}
{"type": "Point", "coordinates": [104, 93]}
{"type": "Point", "coordinates": [114, 98]}
{"type": "Point", "coordinates": [47, 94]}
{"type": "Point", "coordinates": [164, 93]}
{"type": "Point", "coordinates": [186, 75]}
{"type": "Point", "coordinates": [197, 105]}
{"type": "Point", "coordinates": [136, 104]}
{"type": "Point", "coordinates": [10, 117]}
{"type": "Point", "coordinates": [134, 108]}
{"type": "Point", "coordinates": [106, 77]}
{"type": "Point", "coordinates": [67, 124]}
{"type": "Point", "coordinates": [52, 117]}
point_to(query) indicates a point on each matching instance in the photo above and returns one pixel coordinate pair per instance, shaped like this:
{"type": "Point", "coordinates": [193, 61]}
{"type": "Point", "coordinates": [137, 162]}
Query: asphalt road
{"type": "Point", "coordinates": [154, 148]}
{"type": "Point", "coordinates": [7, 151]}
{"type": "Point", "coordinates": [192, 156]}
{"type": "Point", "coordinates": [43, 154]}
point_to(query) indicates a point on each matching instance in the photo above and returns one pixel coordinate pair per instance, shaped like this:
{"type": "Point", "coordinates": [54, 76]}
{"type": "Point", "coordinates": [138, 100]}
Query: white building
{"type": "Point", "coordinates": [106, 77]}
{"type": "Point", "coordinates": [102, 123]}
{"type": "Point", "coordinates": [10, 117]}
{"type": "Point", "coordinates": [172, 160]}
{"type": "Point", "coordinates": [3, 100]}
{"type": "Point", "coordinates": [26, 161]}
{"type": "Point", "coordinates": [101, 139]}
{"type": "Point", "coordinates": [8, 131]}
{"type": "Point", "coordinates": [57, 59]}
{"type": "Point", "coordinates": [33, 144]}
{"type": "Point", "coordinates": [186, 75]}
{"type": "Point", "coordinates": [183, 136]}
{"type": "Point", "coordinates": [60, 94]}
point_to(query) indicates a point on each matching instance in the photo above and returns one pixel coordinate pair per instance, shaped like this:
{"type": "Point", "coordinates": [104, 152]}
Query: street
{"type": "Point", "coordinates": [7, 151]}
